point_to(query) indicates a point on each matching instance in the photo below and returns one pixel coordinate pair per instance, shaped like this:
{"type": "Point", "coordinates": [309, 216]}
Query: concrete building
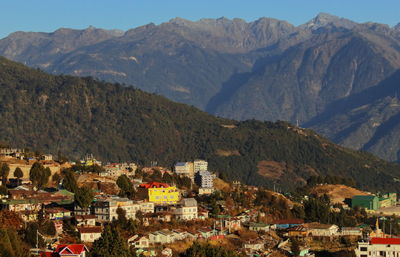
{"type": "Point", "coordinates": [184, 169]}
{"type": "Point", "coordinates": [206, 190]}
{"type": "Point", "coordinates": [259, 227]}
{"type": "Point", "coordinates": [317, 229]}
{"type": "Point", "coordinates": [351, 231]}
{"type": "Point", "coordinates": [200, 165]}
{"type": "Point", "coordinates": [89, 234]}
{"type": "Point", "coordinates": [118, 169]}
{"type": "Point", "coordinates": [204, 179]}
{"type": "Point", "coordinates": [139, 242]}
{"type": "Point", "coordinates": [162, 237]}
{"type": "Point", "coordinates": [85, 220]}
{"type": "Point", "coordinates": [57, 213]}
{"type": "Point", "coordinates": [82, 211]}
{"type": "Point", "coordinates": [161, 193]}
{"type": "Point", "coordinates": [187, 209]}
{"type": "Point", "coordinates": [146, 207]}
{"type": "Point", "coordinates": [377, 247]}
{"type": "Point", "coordinates": [106, 209]}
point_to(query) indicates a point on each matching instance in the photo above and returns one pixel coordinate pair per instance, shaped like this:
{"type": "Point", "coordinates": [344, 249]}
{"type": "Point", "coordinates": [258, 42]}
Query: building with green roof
{"type": "Point", "coordinates": [369, 202]}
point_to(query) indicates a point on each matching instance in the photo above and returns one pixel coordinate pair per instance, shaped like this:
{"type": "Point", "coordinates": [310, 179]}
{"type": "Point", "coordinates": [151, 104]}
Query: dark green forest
{"type": "Point", "coordinates": [72, 116]}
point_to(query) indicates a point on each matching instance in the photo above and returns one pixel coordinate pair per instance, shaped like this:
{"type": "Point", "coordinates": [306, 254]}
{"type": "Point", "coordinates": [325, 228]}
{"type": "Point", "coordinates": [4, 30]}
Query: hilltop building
{"type": "Point", "coordinates": [372, 202]}
{"type": "Point", "coordinates": [200, 165]}
{"type": "Point", "coordinates": [89, 160]}
{"type": "Point", "coordinates": [369, 202]}
{"type": "Point", "coordinates": [11, 151]}
{"type": "Point", "coordinates": [189, 169]}
{"type": "Point", "coordinates": [118, 169]}
{"type": "Point", "coordinates": [204, 179]}
{"type": "Point", "coordinates": [184, 169]}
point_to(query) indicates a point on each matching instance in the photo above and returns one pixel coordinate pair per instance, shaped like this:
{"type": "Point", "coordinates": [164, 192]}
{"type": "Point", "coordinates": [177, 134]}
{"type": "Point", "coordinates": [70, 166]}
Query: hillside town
{"type": "Point", "coordinates": [65, 208]}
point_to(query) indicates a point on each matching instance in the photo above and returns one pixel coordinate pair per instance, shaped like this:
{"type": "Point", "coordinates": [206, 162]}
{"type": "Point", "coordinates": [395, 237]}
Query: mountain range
{"type": "Point", "coordinates": [72, 116]}
{"type": "Point", "coordinates": [330, 74]}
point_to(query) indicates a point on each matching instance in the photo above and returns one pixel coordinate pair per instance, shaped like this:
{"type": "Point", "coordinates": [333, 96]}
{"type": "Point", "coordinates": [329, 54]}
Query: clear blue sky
{"type": "Point", "coordinates": [48, 15]}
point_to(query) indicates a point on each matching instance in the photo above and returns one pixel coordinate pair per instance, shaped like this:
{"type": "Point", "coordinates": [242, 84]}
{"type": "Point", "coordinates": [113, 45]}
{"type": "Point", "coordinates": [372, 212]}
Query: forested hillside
{"type": "Point", "coordinates": [74, 116]}
{"type": "Point", "coordinates": [266, 69]}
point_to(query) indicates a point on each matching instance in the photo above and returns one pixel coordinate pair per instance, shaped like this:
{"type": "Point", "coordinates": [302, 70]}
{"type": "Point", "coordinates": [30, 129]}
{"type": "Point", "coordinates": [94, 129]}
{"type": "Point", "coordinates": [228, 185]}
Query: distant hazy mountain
{"type": "Point", "coordinates": [266, 69]}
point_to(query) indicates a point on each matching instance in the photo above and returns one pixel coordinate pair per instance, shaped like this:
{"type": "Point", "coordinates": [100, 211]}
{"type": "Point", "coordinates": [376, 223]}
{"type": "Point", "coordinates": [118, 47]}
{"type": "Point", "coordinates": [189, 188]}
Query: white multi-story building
{"type": "Point", "coordinates": [200, 165]}
{"type": "Point", "coordinates": [186, 209]}
{"type": "Point", "coordinates": [106, 209]}
{"type": "Point", "coordinates": [204, 179]}
{"type": "Point", "coordinates": [378, 247]}
{"type": "Point", "coordinates": [146, 207]}
{"type": "Point", "coordinates": [184, 168]}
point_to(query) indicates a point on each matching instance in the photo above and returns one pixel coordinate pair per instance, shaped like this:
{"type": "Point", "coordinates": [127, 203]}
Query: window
{"type": "Point", "coordinates": [363, 249]}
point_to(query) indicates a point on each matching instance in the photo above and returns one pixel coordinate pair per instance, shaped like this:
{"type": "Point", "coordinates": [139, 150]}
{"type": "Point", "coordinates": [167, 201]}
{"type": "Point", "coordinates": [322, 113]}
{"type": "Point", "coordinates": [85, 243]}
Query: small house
{"type": "Point", "coordinates": [89, 234]}
{"type": "Point", "coordinates": [318, 229]}
{"type": "Point", "coordinates": [85, 220]}
{"type": "Point", "coordinates": [72, 250]}
{"type": "Point", "coordinates": [139, 242]}
{"type": "Point", "coordinates": [57, 213]}
{"type": "Point", "coordinates": [259, 226]}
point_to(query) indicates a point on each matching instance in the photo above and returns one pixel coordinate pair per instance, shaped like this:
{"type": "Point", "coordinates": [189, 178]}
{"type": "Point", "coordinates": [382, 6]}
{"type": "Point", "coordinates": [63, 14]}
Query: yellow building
{"type": "Point", "coordinates": [89, 160]}
{"type": "Point", "coordinates": [161, 193]}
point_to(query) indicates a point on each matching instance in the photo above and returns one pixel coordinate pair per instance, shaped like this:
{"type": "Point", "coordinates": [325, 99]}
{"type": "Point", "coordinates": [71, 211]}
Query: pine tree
{"type": "Point", "coordinates": [39, 175]}
{"type": "Point", "coordinates": [125, 185]}
{"type": "Point", "coordinates": [69, 180]}
{"type": "Point", "coordinates": [83, 197]}
{"type": "Point", "coordinates": [4, 172]}
{"type": "Point", "coordinates": [110, 244]}
{"type": "Point", "coordinates": [18, 174]}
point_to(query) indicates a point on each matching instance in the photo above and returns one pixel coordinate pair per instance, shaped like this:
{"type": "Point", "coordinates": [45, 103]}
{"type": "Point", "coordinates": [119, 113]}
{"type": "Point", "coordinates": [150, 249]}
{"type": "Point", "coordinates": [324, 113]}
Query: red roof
{"type": "Point", "coordinates": [385, 241]}
{"type": "Point", "coordinates": [154, 185]}
{"type": "Point", "coordinates": [71, 249]}
{"type": "Point", "coordinates": [90, 230]}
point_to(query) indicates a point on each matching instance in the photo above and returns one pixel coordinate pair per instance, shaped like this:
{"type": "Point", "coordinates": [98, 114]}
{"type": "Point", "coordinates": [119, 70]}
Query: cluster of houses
{"type": "Point", "coordinates": [165, 202]}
